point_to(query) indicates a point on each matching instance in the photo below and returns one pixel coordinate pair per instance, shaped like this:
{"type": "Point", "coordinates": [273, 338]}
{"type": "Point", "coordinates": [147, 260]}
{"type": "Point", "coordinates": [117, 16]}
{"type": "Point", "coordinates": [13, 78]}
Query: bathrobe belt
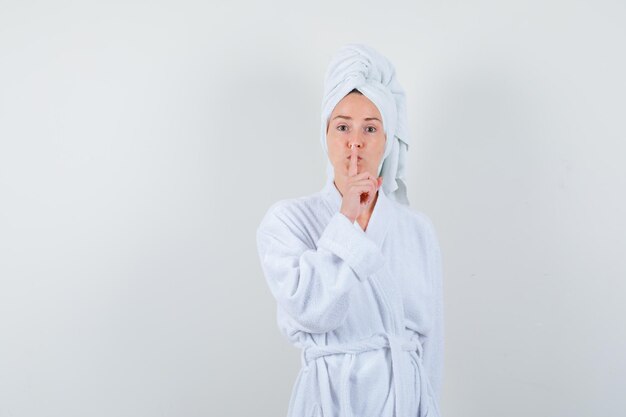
{"type": "Point", "coordinates": [377, 341]}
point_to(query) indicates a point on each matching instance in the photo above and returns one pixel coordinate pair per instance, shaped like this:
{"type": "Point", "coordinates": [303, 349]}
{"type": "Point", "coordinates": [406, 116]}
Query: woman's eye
{"type": "Point", "coordinates": [343, 128]}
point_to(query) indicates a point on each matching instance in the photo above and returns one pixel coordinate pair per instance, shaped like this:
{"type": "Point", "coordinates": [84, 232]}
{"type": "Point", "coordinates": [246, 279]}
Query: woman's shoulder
{"type": "Point", "coordinates": [292, 210]}
{"type": "Point", "coordinates": [413, 218]}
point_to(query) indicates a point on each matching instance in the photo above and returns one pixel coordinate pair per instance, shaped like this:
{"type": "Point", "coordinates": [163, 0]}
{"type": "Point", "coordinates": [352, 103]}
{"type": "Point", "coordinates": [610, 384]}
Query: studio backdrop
{"type": "Point", "coordinates": [142, 142]}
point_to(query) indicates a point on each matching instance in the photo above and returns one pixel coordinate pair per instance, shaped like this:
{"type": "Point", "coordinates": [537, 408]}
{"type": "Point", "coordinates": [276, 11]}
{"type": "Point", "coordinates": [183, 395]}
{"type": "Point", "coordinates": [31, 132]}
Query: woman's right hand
{"type": "Point", "coordinates": [360, 191]}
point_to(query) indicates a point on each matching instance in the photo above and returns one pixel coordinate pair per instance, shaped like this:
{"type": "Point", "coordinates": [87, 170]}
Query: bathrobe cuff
{"type": "Point", "coordinates": [352, 245]}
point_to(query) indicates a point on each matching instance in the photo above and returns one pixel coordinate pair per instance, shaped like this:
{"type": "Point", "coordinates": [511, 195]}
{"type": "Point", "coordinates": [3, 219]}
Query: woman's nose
{"type": "Point", "coordinates": [354, 145]}
{"type": "Point", "coordinates": [355, 140]}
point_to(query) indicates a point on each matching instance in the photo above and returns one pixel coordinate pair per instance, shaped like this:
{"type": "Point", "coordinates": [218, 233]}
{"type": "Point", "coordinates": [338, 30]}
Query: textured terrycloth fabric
{"type": "Point", "coordinates": [365, 307]}
{"type": "Point", "coordinates": [360, 66]}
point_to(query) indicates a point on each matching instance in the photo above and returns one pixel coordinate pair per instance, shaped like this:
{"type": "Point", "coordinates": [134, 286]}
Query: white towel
{"type": "Point", "coordinates": [359, 66]}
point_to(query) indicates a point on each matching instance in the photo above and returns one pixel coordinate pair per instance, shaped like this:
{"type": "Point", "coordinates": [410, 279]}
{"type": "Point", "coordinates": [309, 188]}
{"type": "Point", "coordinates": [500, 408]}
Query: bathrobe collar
{"type": "Point", "coordinates": [379, 221]}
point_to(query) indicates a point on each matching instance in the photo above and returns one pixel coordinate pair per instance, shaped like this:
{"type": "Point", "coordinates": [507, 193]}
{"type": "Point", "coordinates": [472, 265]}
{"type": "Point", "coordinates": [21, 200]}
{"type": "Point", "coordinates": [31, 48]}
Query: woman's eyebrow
{"type": "Point", "coordinates": [350, 118]}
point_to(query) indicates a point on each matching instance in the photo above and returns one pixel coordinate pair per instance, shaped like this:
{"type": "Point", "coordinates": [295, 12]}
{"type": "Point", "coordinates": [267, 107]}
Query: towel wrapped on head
{"type": "Point", "coordinates": [360, 66]}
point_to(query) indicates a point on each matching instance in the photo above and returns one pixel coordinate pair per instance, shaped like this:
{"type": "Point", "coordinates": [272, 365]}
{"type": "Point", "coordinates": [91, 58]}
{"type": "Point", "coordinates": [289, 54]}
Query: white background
{"type": "Point", "coordinates": [141, 143]}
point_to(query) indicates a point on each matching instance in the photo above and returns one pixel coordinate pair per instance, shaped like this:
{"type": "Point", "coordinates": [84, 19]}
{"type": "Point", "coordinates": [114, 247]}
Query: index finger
{"type": "Point", "coordinates": [352, 170]}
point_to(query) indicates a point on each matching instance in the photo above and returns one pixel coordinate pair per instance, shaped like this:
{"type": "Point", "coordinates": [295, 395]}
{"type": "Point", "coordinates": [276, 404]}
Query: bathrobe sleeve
{"type": "Point", "coordinates": [434, 342]}
{"type": "Point", "coordinates": [312, 282]}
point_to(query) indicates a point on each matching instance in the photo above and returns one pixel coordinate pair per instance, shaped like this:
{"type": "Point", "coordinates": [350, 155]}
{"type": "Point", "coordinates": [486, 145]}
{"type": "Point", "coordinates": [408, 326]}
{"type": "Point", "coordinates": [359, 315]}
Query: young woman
{"type": "Point", "coordinates": [355, 271]}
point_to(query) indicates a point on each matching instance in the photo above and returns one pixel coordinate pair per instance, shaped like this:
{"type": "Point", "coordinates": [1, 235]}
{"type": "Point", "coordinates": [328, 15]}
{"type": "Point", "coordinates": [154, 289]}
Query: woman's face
{"type": "Point", "coordinates": [355, 120]}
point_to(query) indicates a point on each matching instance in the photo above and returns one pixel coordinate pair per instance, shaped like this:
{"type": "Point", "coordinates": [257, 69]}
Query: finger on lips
{"type": "Point", "coordinates": [353, 161]}
{"type": "Point", "coordinates": [353, 169]}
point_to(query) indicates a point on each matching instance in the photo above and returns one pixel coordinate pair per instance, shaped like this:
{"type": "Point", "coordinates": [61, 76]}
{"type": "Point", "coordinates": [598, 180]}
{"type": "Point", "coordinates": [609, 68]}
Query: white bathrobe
{"type": "Point", "coordinates": [364, 307]}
